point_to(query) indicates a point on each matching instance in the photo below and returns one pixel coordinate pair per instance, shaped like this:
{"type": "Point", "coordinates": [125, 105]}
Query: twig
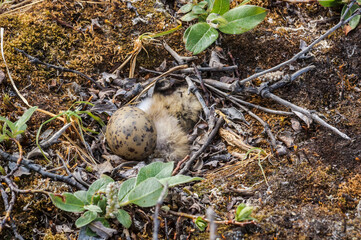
{"type": "Point", "coordinates": [6, 205]}
{"type": "Point", "coordinates": [10, 204]}
{"type": "Point", "coordinates": [265, 125]}
{"type": "Point", "coordinates": [305, 50]}
{"type": "Point", "coordinates": [54, 138]}
{"type": "Point", "coordinates": [179, 165]}
{"type": "Point", "coordinates": [39, 169]}
{"type": "Point", "coordinates": [180, 59]}
{"type": "Point", "coordinates": [18, 162]}
{"type": "Point", "coordinates": [267, 110]}
{"type": "Point", "coordinates": [289, 79]}
{"type": "Point", "coordinates": [35, 60]}
{"type": "Point", "coordinates": [210, 69]}
{"type": "Point", "coordinates": [299, 1]}
{"type": "Point", "coordinates": [142, 69]}
{"type": "Point", "coordinates": [194, 89]}
{"type": "Point", "coordinates": [64, 164]}
{"type": "Point", "coordinates": [265, 92]}
{"type": "Point", "coordinates": [205, 145]}
{"type": "Point", "coordinates": [155, 80]}
{"type": "Point", "coordinates": [127, 163]}
{"type": "Point", "coordinates": [156, 212]}
{"type": "Point", "coordinates": [199, 76]}
{"type": "Point", "coordinates": [227, 222]}
{"type": "Point", "coordinates": [306, 112]}
{"type": "Point", "coordinates": [212, 225]}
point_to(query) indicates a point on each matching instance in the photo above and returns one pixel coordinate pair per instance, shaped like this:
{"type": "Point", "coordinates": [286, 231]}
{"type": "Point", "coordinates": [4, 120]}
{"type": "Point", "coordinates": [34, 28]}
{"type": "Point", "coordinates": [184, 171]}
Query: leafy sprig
{"type": "Point", "coordinates": [105, 198]}
{"type": "Point", "coordinates": [214, 16]}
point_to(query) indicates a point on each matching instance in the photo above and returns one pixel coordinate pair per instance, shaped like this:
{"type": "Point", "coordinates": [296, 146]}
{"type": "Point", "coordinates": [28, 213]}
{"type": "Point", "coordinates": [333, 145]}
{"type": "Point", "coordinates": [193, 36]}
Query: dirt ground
{"type": "Point", "coordinates": [312, 192]}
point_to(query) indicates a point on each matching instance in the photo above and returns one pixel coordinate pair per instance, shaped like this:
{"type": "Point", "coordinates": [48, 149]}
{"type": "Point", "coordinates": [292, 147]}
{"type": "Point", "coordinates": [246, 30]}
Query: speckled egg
{"type": "Point", "coordinates": [131, 134]}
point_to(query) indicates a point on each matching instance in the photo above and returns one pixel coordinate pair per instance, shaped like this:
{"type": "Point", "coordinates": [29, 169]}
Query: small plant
{"type": "Point", "coordinates": [352, 24]}
{"type": "Point", "coordinates": [10, 130]}
{"type": "Point", "coordinates": [243, 213]}
{"type": "Point", "coordinates": [105, 198]}
{"type": "Point", "coordinates": [71, 116]}
{"type": "Point", "coordinates": [214, 15]}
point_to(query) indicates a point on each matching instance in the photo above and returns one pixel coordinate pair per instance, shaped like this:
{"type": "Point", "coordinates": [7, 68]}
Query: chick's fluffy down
{"type": "Point", "coordinates": [173, 116]}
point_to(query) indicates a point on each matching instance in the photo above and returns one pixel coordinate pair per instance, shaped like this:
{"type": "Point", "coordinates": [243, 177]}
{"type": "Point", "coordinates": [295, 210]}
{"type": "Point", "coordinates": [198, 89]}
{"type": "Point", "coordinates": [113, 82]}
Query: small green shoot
{"type": "Point", "coordinates": [10, 130]}
{"type": "Point", "coordinates": [260, 152]}
{"type": "Point", "coordinates": [200, 223]}
{"type": "Point", "coordinates": [105, 198]}
{"type": "Point", "coordinates": [243, 213]}
{"type": "Point", "coordinates": [71, 116]}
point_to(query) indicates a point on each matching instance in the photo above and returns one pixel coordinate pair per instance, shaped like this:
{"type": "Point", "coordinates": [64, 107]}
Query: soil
{"type": "Point", "coordinates": [312, 192]}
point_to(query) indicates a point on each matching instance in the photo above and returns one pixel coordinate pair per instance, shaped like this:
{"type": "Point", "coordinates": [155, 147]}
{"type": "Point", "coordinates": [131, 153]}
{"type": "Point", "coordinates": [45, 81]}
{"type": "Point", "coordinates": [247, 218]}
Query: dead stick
{"type": "Point", "coordinates": [205, 145]}
{"type": "Point", "coordinates": [39, 169]}
{"type": "Point", "coordinates": [301, 53]}
{"type": "Point", "coordinates": [194, 89]}
{"type": "Point", "coordinates": [233, 222]}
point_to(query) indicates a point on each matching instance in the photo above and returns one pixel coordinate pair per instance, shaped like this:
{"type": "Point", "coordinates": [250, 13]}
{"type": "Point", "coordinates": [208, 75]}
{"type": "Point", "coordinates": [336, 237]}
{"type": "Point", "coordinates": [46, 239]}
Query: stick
{"type": "Point", "coordinates": [205, 145]}
{"type": "Point", "coordinates": [156, 212]}
{"type": "Point", "coordinates": [194, 89]}
{"type": "Point", "coordinates": [301, 53]}
{"type": "Point", "coordinates": [39, 169]}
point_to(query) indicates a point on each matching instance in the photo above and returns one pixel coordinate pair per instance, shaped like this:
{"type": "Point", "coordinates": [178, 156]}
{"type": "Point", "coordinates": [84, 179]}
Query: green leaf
{"type": "Point", "coordinates": [186, 8]}
{"type": "Point", "coordinates": [245, 2]}
{"type": "Point", "coordinates": [242, 19]}
{"type": "Point", "coordinates": [156, 169]}
{"type": "Point", "coordinates": [203, 4]}
{"type": "Point", "coordinates": [243, 212]}
{"type": "Point", "coordinates": [124, 218]}
{"type": "Point", "coordinates": [178, 179]}
{"type": "Point", "coordinates": [25, 117]}
{"type": "Point", "coordinates": [87, 218]}
{"type": "Point", "coordinates": [220, 7]}
{"type": "Point", "coordinates": [67, 202]}
{"type": "Point", "coordinates": [90, 232]}
{"type": "Point", "coordinates": [146, 194]}
{"type": "Point", "coordinates": [199, 37]}
{"type": "Point", "coordinates": [198, 10]}
{"type": "Point", "coordinates": [200, 223]}
{"type": "Point", "coordinates": [354, 21]}
{"type": "Point", "coordinates": [3, 119]}
{"type": "Point", "coordinates": [2, 170]}
{"type": "Point", "coordinates": [216, 21]}
{"type": "Point", "coordinates": [81, 195]}
{"type": "Point", "coordinates": [99, 184]}
{"type": "Point", "coordinates": [189, 17]}
{"type": "Point", "coordinates": [210, 4]}
{"type": "Point", "coordinates": [102, 203]}
{"type": "Point", "coordinates": [186, 34]}
{"type": "Point", "coordinates": [125, 188]}
{"type": "Point", "coordinates": [329, 3]}
{"type": "Point", "coordinates": [10, 124]}
{"type": "Point", "coordinates": [3, 137]}
{"type": "Point", "coordinates": [93, 208]}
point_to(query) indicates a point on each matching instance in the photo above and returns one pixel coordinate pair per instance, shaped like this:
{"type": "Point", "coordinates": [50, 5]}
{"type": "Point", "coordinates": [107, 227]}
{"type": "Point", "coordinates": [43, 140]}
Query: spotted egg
{"type": "Point", "coordinates": [131, 134]}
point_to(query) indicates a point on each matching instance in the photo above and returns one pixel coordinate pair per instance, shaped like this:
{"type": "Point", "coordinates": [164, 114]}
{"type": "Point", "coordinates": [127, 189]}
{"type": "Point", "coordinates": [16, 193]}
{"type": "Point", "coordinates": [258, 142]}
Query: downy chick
{"type": "Point", "coordinates": [173, 116]}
